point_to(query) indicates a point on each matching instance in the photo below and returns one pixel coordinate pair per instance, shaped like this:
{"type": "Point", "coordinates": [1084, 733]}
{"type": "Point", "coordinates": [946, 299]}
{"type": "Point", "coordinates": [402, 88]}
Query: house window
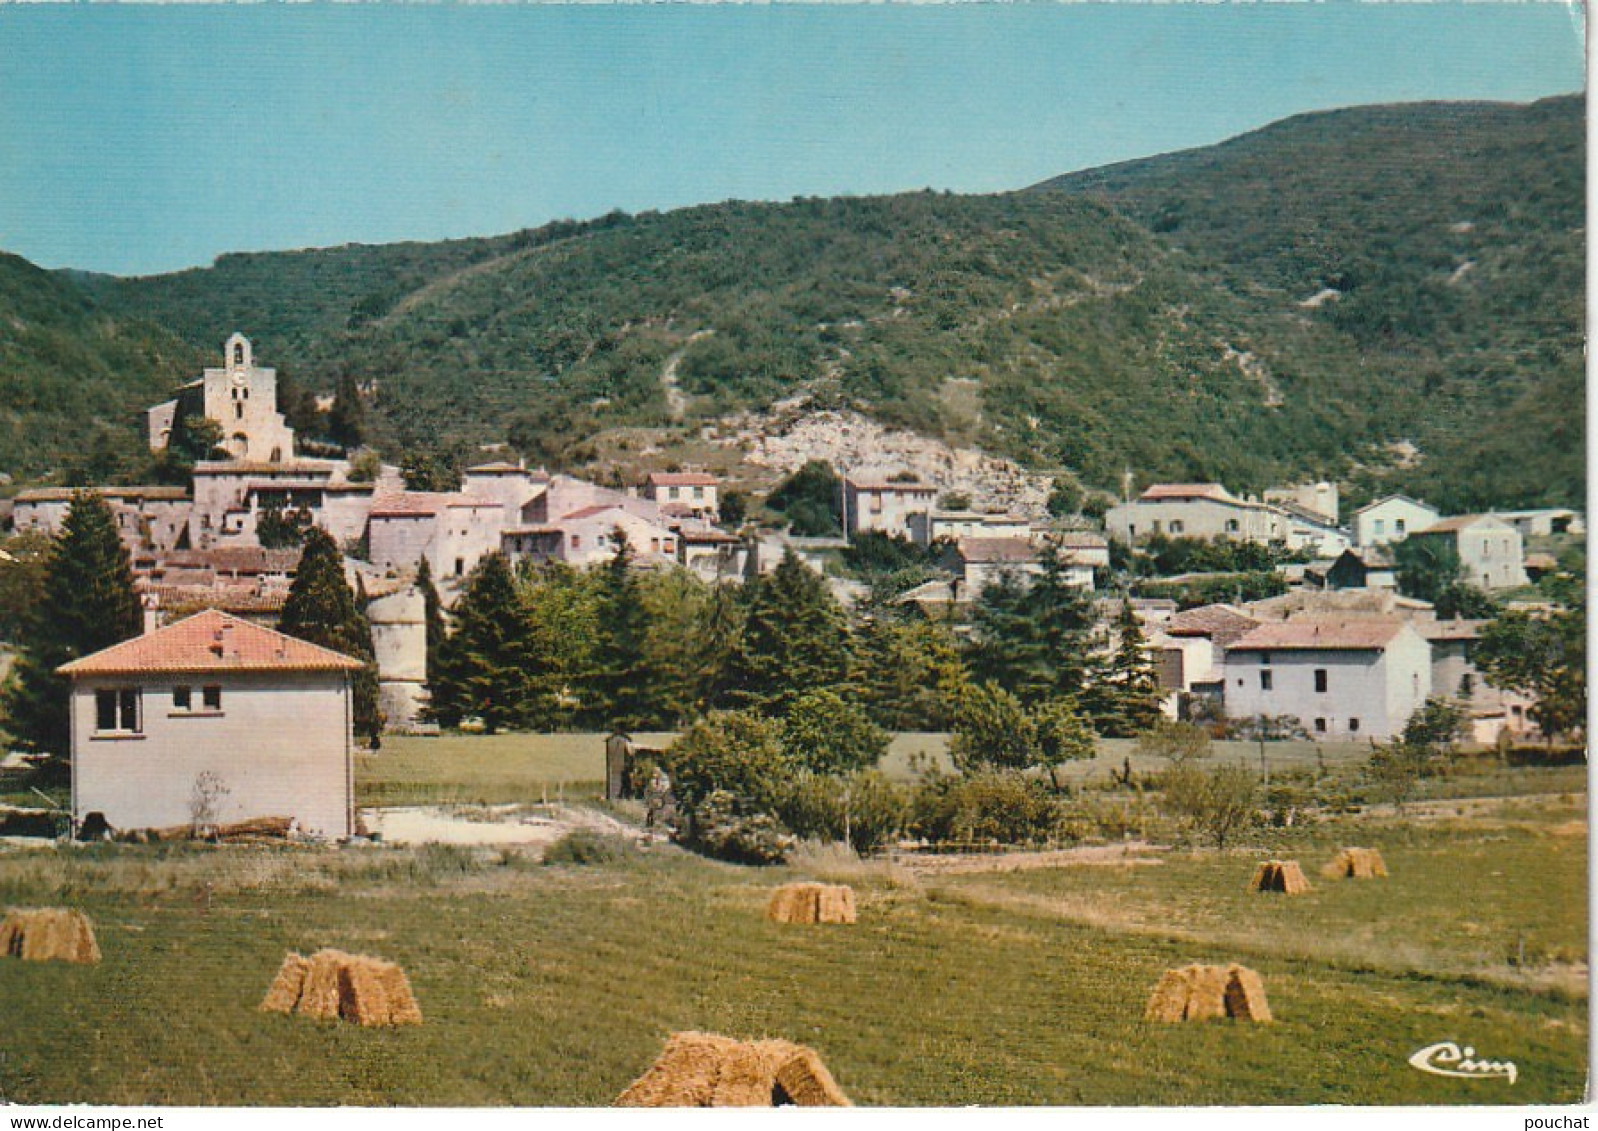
{"type": "Point", "coordinates": [1379, 526]}
{"type": "Point", "coordinates": [460, 566]}
{"type": "Point", "coordinates": [577, 540]}
{"type": "Point", "coordinates": [182, 698]}
{"type": "Point", "coordinates": [1176, 526]}
{"type": "Point", "coordinates": [116, 711]}
{"type": "Point", "coordinates": [1265, 681]}
{"type": "Point", "coordinates": [699, 492]}
{"type": "Point", "coordinates": [671, 492]}
{"type": "Point", "coordinates": [1320, 726]}
{"type": "Point", "coordinates": [211, 697]}
{"type": "Point", "coordinates": [1156, 526]}
{"type": "Point", "coordinates": [1320, 679]}
{"type": "Point", "coordinates": [669, 546]}
{"type": "Point", "coordinates": [238, 411]}
{"type": "Point", "coordinates": [876, 504]}
{"type": "Point", "coordinates": [1467, 685]}
{"type": "Point", "coordinates": [1398, 526]}
{"type": "Point", "coordinates": [1231, 526]}
{"type": "Point", "coordinates": [1486, 548]}
{"type": "Point", "coordinates": [1353, 726]}
{"type": "Point", "coordinates": [1265, 659]}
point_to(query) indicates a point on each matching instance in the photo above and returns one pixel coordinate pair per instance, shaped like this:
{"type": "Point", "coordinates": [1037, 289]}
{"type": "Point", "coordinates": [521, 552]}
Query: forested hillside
{"type": "Point", "coordinates": [1289, 303]}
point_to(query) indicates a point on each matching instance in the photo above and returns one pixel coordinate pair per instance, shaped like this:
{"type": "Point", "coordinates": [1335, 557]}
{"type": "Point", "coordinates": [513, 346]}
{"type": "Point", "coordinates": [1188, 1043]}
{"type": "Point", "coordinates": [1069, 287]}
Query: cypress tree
{"type": "Point", "coordinates": [1033, 639]}
{"type": "Point", "coordinates": [492, 666]}
{"type": "Point", "coordinates": [433, 614]}
{"type": "Point", "coordinates": [87, 603]}
{"type": "Point", "coordinates": [795, 639]}
{"type": "Point", "coordinates": [1124, 697]}
{"type": "Point", "coordinates": [322, 609]}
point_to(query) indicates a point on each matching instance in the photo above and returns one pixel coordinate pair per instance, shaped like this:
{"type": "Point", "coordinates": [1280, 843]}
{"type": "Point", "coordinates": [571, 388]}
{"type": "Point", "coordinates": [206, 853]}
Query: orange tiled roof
{"type": "Point", "coordinates": [1369, 635]}
{"type": "Point", "coordinates": [211, 641]}
{"type": "Point", "coordinates": [682, 479]}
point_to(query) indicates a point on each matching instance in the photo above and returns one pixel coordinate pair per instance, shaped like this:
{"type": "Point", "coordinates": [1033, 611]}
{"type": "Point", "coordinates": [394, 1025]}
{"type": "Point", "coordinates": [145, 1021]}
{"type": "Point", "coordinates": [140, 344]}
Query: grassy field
{"type": "Point", "coordinates": [557, 985]}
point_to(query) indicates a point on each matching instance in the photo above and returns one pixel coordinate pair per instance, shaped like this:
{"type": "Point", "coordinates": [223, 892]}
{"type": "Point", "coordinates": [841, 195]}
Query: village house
{"type": "Point", "coordinates": [241, 397]}
{"type": "Point", "coordinates": [1189, 648]}
{"type": "Point", "coordinates": [512, 485]}
{"type": "Point", "coordinates": [147, 518]}
{"type": "Point", "coordinates": [1319, 499]}
{"type": "Point", "coordinates": [683, 493]}
{"type": "Point", "coordinates": [1195, 510]}
{"type": "Point", "coordinates": [586, 537]}
{"type": "Point", "coordinates": [951, 526]}
{"type": "Point", "coordinates": [1545, 522]}
{"type": "Point", "coordinates": [186, 725]}
{"type": "Point", "coordinates": [1082, 547]}
{"type": "Point", "coordinates": [1491, 552]}
{"type": "Point", "coordinates": [230, 497]}
{"type": "Point", "coordinates": [453, 531]}
{"type": "Point", "coordinates": [1350, 679]}
{"type": "Point", "coordinates": [1391, 519]}
{"type": "Point", "coordinates": [1371, 568]}
{"type": "Point", "coordinates": [1490, 710]}
{"type": "Point", "coordinates": [888, 507]}
{"type": "Point", "coordinates": [979, 562]}
{"type": "Point", "coordinates": [714, 555]}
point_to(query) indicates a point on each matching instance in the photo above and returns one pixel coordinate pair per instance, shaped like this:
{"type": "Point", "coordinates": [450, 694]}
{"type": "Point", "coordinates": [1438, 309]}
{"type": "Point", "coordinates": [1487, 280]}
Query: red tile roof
{"type": "Point", "coordinates": [408, 504]}
{"type": "Point", "coordinates": [997, 550]}
{"type": "Point", "coordinates": [1461, 522]}
{"type": "Point", "coordinates": [1187, 491]}
{"type": "Point", "coordinates": [64, 494]}
{"type": "Point", "coordinates": [682, 479]}
{"type": "Point", "coordinates": [1369, 635]}
{"type": "Point", "coordinates": [1221, 623]}
{"type": "Point", "coordinates": [211, 641]}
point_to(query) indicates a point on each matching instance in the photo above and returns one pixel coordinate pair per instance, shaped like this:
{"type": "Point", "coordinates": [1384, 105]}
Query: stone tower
{"type": "Point", "coordinates": [240, 396]}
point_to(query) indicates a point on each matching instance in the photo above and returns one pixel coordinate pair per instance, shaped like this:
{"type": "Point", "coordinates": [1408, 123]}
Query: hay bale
{"type": "Point", "coordinates": [812, 903]}
{"type": "Point", "coordinates": [1169, 1000]}
{"type": "Point", "coordinates": [284, 993]}
{"type": "Point", "coordinates": [49, 934]}
{"type": "Point", "coordinates": [1280, 875]}
{"type": "Point", "coordinates": [1359, 864]}
{"type": "Point", "coordinates": [332, 985]}
{"type": "Point", "coordinates": [273, 828]}
{"type": "Point", "coordinates": [1245, 995]}
{"type": "Point", "coordinates": [1203, 993]}
{"type": "Point", "coordinates": [1206, 997]}
{"type": "Point", "coordinates": [708, 1070]}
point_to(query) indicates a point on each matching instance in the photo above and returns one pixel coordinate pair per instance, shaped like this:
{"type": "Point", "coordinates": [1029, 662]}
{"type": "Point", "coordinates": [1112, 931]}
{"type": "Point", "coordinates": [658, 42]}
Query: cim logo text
{"type": "Point", "coordinates": [1447, 1059]}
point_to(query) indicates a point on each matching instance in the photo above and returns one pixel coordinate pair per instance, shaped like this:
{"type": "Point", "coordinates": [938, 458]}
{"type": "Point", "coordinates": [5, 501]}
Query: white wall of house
{"type": "Point", "coordinates": [1493, 554]}
{"type": "Point", "coordinates": [399, 541]}
{"type": "Point", "coordinates": [280, 744]}
{"type": "Point", "coordinates": [891, 508]}
{"type": "Point", "coordinates": [1370, 693]}
{"type": "Point", "coordinates": [1197, 517]}
{"type": "Point", "coordinates": [1391, 520]}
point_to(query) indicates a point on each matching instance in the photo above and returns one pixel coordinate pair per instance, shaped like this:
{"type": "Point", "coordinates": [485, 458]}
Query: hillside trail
{"type": "Point", "coordinates": [676, 399]}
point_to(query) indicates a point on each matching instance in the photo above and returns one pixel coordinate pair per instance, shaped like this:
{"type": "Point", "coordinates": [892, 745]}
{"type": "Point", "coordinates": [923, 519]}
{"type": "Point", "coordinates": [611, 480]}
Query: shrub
{"type": "Point", "coordinates": [991, 806]}
{"type": "Point", "coordinates": [737, 752]}
{"type": "Point", "coordinates": [724, 826]}
{"type": "Point", "coordinates": [991, 729]}
{"type": "Point", "coordinates": [1213, 803]}
{"type": "Point", "coordinates": [585, 846]}
{"type": "Point", "coordinates": [1177, 743]}
{"type": "Point", "coordinates": [865, 809]}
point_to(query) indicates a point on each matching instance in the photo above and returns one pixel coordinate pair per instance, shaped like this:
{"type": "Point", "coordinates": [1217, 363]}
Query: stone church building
{"type": "Point", "coordinates": [240, 396]}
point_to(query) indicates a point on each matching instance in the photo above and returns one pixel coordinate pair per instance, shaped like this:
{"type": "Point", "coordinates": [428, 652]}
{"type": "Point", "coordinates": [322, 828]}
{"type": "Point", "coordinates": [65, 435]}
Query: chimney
{"type": "Point", "coordinates": [152, 612]}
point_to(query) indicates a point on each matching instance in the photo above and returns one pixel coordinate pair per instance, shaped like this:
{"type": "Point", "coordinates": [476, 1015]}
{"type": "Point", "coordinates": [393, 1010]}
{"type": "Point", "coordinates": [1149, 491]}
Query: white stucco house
{"type": "Point", "coordinates": [1348, 679]}
{"type": "Point", "coordinates": [1391, 519]}
{"type": "Point", "coordinates": [888, 506]}
{"type": "Point", "coordinates": [213, 705]}
{"type": "Point", "coordinates": [1492, 554]}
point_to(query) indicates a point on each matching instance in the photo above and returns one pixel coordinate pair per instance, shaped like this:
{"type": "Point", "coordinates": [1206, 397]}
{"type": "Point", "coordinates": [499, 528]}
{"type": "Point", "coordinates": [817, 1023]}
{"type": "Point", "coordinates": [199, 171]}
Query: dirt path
{"type": "Point", "coordinates": [536, 825]}
{"type": "Point", "coordinates": [676, 399]}
{"type": "Point", "coordinates": [1132, 853]}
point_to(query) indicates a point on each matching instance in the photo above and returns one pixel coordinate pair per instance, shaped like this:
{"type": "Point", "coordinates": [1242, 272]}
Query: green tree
{"type": "Point", "coordinates": [432, 613]}
{"type": "Point", "coordinates": [827, 734]}
{"type": "Point", "coordinates": [346, 420]}
{"type": "Point", "coordinates": [1063, 735]}
{"type": "Point", "coordinates": [1032, 639]}
{"type": "Point", "coordinates": [428, 471]}
{"type": "Point", "coordinates": [1214, 802]}
{"type": "Point", "coordinates": [1123, 697]}
{"type": "Point", "coordinates": [86, 603]}
{"type": "Point", "coordinates": [795, 639]}
{"type": "Point", "coordinates": [810, 499]}
{"type": "Point", "coordinates": [192, 438]}
{"type": "Point", "coordinates": [737, 752]}
{"type": "Point", "coordinates": [623, 690]}
{"type": "Point", "coordinates": [493, 666]}
{"type": "Point", "coordinates": [1429, 569]}
{"type": "Point", "coordinates": [279, 527]}
{"type": "Point", "coordinates": [322, 609]}
{"type": "Point", "coordinates": [992, 729]}
{"type": "Point", "coordinates": [1066, 497]}
{"type": "Point", "coordinates": [24, 560]}
{"type": "Point", "coordinates": [905, 669]}
{"type": "Point", "coordinates": [1542, 655]}
{"type": "Point", "coordinates": [734, 508]}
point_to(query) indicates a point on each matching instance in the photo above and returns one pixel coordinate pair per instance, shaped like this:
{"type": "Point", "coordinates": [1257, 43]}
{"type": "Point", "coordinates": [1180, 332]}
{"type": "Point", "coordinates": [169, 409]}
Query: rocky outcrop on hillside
{"type": "Point", "coordinates": [789, 436]}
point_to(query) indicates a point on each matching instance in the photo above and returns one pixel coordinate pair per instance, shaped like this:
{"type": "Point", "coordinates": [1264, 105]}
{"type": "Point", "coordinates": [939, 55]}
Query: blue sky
{"type": "Point", "coordinates": [144, 139]}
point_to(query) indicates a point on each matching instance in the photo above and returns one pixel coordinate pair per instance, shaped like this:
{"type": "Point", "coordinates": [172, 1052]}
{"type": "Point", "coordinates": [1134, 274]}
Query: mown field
{"type": "Point", "coordinates": [556, 985]}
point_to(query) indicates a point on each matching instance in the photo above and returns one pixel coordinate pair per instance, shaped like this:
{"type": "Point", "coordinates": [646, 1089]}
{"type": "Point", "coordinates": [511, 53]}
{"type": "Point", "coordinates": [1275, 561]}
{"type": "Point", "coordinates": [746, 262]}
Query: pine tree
{"type": "Point", "coordinates": [622, 691]}
{"type": "Point", "coordinates": [493, 666]}
{"type": "Point", "coordinates": [1032, 638]}
{"type": "Point", "coordinates": [1123, 699]}
{"type": "Point", "coordinates": [795, 639]}
{"type": "Point", "coordinates": [322, 609]}
{"type": "Point", "coordinates": [87, 603]}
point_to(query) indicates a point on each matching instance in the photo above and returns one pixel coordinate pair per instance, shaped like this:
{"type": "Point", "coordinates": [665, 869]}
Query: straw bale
{"type": "Point", "coordinates": [1262, 877]}
{"type": "Point", "coordinates": [1245, 995]}
{"type": "Point", "coordinates": [1169, 1000]}
{"type": "Point", "coordinates": [1279, 875]}
{"type": "Point", "coordinates": [1293, 879]}
{"type": "Point", "coordinates": [1206, 996]}
{"type": "Point", "coordinates": [708, 1070]}
{"type": "Point", "coordinates": [812, 903]}
{"type": "Point", "coordinates": [402, 1007]}
{"type": "Point", "coordinates": [49, 934]}
{"type": "Point", "coordinates": [272, 827]}
{"type": "Point", "coordinates": [319, 997]}
{"type": "Point", "coordinates": [807, 1082]}
{"type": "Point", "coordinates": [284, 993]}
{"type": "Point", "coordinates": [1360, 863]}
